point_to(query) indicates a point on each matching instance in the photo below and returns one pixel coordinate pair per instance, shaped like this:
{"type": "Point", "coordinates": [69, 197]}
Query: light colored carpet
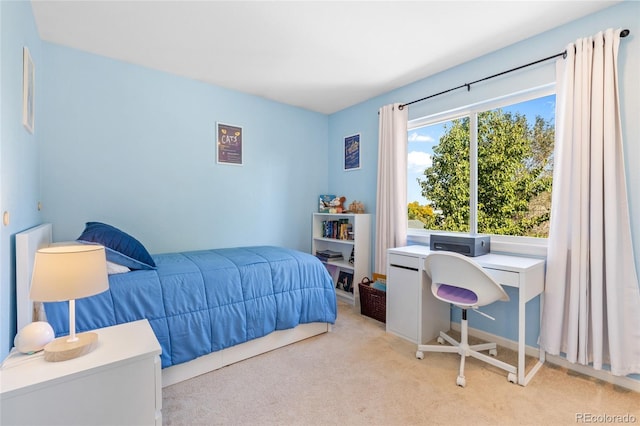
{"type": "Point", "coordinates": [360, 375]}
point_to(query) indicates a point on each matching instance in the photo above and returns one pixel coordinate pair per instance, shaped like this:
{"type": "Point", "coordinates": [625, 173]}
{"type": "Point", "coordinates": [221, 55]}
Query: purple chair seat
{"type": "Point", "coordinates": [457, 295]}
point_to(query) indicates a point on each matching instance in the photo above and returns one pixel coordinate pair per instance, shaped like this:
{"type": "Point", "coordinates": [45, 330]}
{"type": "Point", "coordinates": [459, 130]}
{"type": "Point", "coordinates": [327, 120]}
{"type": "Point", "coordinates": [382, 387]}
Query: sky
{"type": "Point", "coordinates": [422, 140]}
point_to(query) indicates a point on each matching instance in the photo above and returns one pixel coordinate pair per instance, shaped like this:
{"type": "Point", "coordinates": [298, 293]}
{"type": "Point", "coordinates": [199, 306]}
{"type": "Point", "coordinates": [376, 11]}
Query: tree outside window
{"type": "Point", "coordinates": [514, 171]}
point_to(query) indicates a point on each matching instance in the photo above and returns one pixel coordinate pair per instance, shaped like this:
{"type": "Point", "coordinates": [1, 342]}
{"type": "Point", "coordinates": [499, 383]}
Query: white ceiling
{"type": "Point", "coordinates": [320, 55]}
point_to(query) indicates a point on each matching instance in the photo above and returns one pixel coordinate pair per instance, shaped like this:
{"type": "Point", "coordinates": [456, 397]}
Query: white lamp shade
{"type": "Point", "coordinates": [69, 272]}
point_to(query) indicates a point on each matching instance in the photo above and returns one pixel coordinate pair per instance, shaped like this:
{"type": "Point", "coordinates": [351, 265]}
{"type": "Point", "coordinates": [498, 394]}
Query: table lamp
{"type": "Point", "coordinates": [65, 273]}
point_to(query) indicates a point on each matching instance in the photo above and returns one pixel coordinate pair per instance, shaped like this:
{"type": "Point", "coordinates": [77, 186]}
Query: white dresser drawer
{"type": "Point", "coordinates": [508, 278]}
{"type": "Point", "coordinates": [412, 262]}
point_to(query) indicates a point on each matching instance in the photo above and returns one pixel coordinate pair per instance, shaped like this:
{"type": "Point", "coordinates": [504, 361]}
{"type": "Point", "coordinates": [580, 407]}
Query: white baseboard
{"type": "Point", "coordinates": [622, 381]}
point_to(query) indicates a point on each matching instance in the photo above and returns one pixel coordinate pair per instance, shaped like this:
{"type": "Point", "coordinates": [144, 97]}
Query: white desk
{"type": "Point", "coordinates": [423, 323]}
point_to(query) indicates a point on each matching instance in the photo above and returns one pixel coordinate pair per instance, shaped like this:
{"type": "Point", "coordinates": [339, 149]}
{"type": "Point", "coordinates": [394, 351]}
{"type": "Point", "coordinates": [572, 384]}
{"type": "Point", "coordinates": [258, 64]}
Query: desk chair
{"type": "Point", "coordinates": [458, 280]}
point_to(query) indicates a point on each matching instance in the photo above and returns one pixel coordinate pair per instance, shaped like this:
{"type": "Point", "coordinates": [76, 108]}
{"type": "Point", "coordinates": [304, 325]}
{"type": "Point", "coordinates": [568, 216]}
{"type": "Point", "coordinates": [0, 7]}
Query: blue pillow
{"type": "Point", "coordinates": [120, 247]}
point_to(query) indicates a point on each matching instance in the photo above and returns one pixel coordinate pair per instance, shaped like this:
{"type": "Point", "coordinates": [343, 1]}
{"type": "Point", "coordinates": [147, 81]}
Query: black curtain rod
{"type": "Point", "coordinates": [623, 33]}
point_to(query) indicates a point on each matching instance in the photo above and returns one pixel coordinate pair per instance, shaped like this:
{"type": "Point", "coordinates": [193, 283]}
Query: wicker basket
{"type": "Point", "coordinates": [373, 302]}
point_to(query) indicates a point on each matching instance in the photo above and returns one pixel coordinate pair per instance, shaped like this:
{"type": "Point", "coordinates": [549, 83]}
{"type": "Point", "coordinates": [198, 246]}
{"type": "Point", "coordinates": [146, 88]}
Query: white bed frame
{"type": "Point", "coordinates": [30, 240]}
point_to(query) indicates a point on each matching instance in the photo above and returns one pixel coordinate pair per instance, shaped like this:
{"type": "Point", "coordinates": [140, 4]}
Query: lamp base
{"type": "Point", "coordinates": [61, 350]}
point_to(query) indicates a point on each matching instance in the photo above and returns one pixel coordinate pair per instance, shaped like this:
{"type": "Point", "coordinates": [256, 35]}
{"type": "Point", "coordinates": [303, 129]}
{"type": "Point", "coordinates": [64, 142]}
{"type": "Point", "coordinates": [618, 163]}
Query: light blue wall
{"type": "Point", "coordinates": [19, 151]}
{"type": "Point", "coordinates": [135, 148]}
{"type": "Point", "coordinates": [364, 118]}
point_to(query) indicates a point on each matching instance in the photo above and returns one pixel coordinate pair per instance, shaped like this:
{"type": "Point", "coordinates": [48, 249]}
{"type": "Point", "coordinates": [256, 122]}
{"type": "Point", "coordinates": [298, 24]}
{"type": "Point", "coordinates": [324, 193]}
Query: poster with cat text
{"type": "Point", "coordinates": [229, 144]}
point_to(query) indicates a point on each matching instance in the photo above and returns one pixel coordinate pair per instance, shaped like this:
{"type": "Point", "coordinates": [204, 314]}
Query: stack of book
{"type": "Point", "coordinates": [339, 229]}
{"type": "Point", "coordinates": [328, 255]}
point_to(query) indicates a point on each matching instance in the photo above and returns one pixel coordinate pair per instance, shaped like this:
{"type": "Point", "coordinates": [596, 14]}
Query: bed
{"type": "Point", "coordinates": [207, 308]}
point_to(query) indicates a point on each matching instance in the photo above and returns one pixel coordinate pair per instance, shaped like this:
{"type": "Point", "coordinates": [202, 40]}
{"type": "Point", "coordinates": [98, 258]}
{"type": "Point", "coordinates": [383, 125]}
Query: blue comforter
{"type": "Point", "coordinates": [203, 301]}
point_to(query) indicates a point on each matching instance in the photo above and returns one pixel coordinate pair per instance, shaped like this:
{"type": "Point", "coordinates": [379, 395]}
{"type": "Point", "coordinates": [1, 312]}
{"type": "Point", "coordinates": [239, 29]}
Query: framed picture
{"type": "Point", "coordinates": [345, 281]}
{"type": "Point", "coordinates": [229, 144]}
{"type": "Point", "coordinates": [28, 90]}
{"type": "Point", "coordinates": [352, 152]}
{"type": "Point", "coordinates": [325, 203]}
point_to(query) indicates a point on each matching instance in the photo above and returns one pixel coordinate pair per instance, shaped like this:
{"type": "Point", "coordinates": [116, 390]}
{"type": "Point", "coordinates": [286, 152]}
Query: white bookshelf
{"type": "Point", "coordinates": [360, 225]}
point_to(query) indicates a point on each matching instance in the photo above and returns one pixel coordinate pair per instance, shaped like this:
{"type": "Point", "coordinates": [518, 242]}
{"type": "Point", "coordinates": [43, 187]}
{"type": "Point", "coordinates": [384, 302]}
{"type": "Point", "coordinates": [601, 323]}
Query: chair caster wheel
{"type": "Point", "coordinates": [461, 381]}
{"type": "Point", "coordinates": [512, 378]}
{"type": "Point", "coordinates": [440, 340]}
{"type": "Point", "coordinates": [420, 355]}
{"type": "Point", "coordinates": [493, 352]}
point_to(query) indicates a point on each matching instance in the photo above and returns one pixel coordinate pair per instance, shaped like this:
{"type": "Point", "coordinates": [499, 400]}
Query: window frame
{"type": "Point", "coordinates": [499, 243]}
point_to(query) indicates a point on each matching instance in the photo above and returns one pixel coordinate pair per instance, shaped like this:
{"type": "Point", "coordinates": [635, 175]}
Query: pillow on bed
{"type": "Point", "coordinates": [114, 268]}
{"type": "Point", "coordinates": [121, 248]}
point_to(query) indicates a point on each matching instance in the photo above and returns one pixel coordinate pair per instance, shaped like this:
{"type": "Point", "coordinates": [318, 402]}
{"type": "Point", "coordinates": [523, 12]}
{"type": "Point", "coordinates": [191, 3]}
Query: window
{"type": "Point", "coordinates": [486, 168]}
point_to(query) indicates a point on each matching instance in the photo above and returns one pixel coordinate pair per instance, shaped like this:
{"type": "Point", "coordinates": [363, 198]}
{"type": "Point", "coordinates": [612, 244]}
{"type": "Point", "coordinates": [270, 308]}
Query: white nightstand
{"type": "Point", "coordinates": [119, 383]}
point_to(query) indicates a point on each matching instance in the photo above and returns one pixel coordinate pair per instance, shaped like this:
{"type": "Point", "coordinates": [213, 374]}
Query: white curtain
{"type": "Point", "coordinates": [391, 201]}
{"type": "Point", "coordinates": [591, 300]}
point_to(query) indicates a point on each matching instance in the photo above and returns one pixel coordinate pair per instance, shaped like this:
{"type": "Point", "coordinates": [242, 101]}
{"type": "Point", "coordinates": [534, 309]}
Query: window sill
{"type": "Point", "coordinates": [524, 246]}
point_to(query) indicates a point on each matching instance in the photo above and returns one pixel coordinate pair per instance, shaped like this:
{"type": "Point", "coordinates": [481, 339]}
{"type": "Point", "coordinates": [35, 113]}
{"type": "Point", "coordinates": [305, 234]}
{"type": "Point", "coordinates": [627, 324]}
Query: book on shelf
{"type": "Point", "coordinates": [327, 255]}
{"type": "Point", "coordinates": [339, 229]}
{"type": "Point", "coordinates": [328, 259]}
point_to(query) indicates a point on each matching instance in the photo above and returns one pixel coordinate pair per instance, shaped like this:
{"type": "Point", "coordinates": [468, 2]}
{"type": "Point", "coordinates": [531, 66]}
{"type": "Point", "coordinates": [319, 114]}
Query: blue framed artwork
{"type": "Point", "coordinates": [229, 144]}
{"type": "Point", "coordinates": [352, 152]}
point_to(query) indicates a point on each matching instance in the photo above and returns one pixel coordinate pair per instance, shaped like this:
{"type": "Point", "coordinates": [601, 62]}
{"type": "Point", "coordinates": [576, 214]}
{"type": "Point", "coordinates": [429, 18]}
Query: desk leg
{"type": "Point", "coordinates": [522, 310]}
{"type": "Point", "coordinates": [523, 379]}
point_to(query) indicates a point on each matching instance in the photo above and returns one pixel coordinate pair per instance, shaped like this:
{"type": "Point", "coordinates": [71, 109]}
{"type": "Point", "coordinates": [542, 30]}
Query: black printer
{"type": "Point", "coordinates": [469, 245]}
